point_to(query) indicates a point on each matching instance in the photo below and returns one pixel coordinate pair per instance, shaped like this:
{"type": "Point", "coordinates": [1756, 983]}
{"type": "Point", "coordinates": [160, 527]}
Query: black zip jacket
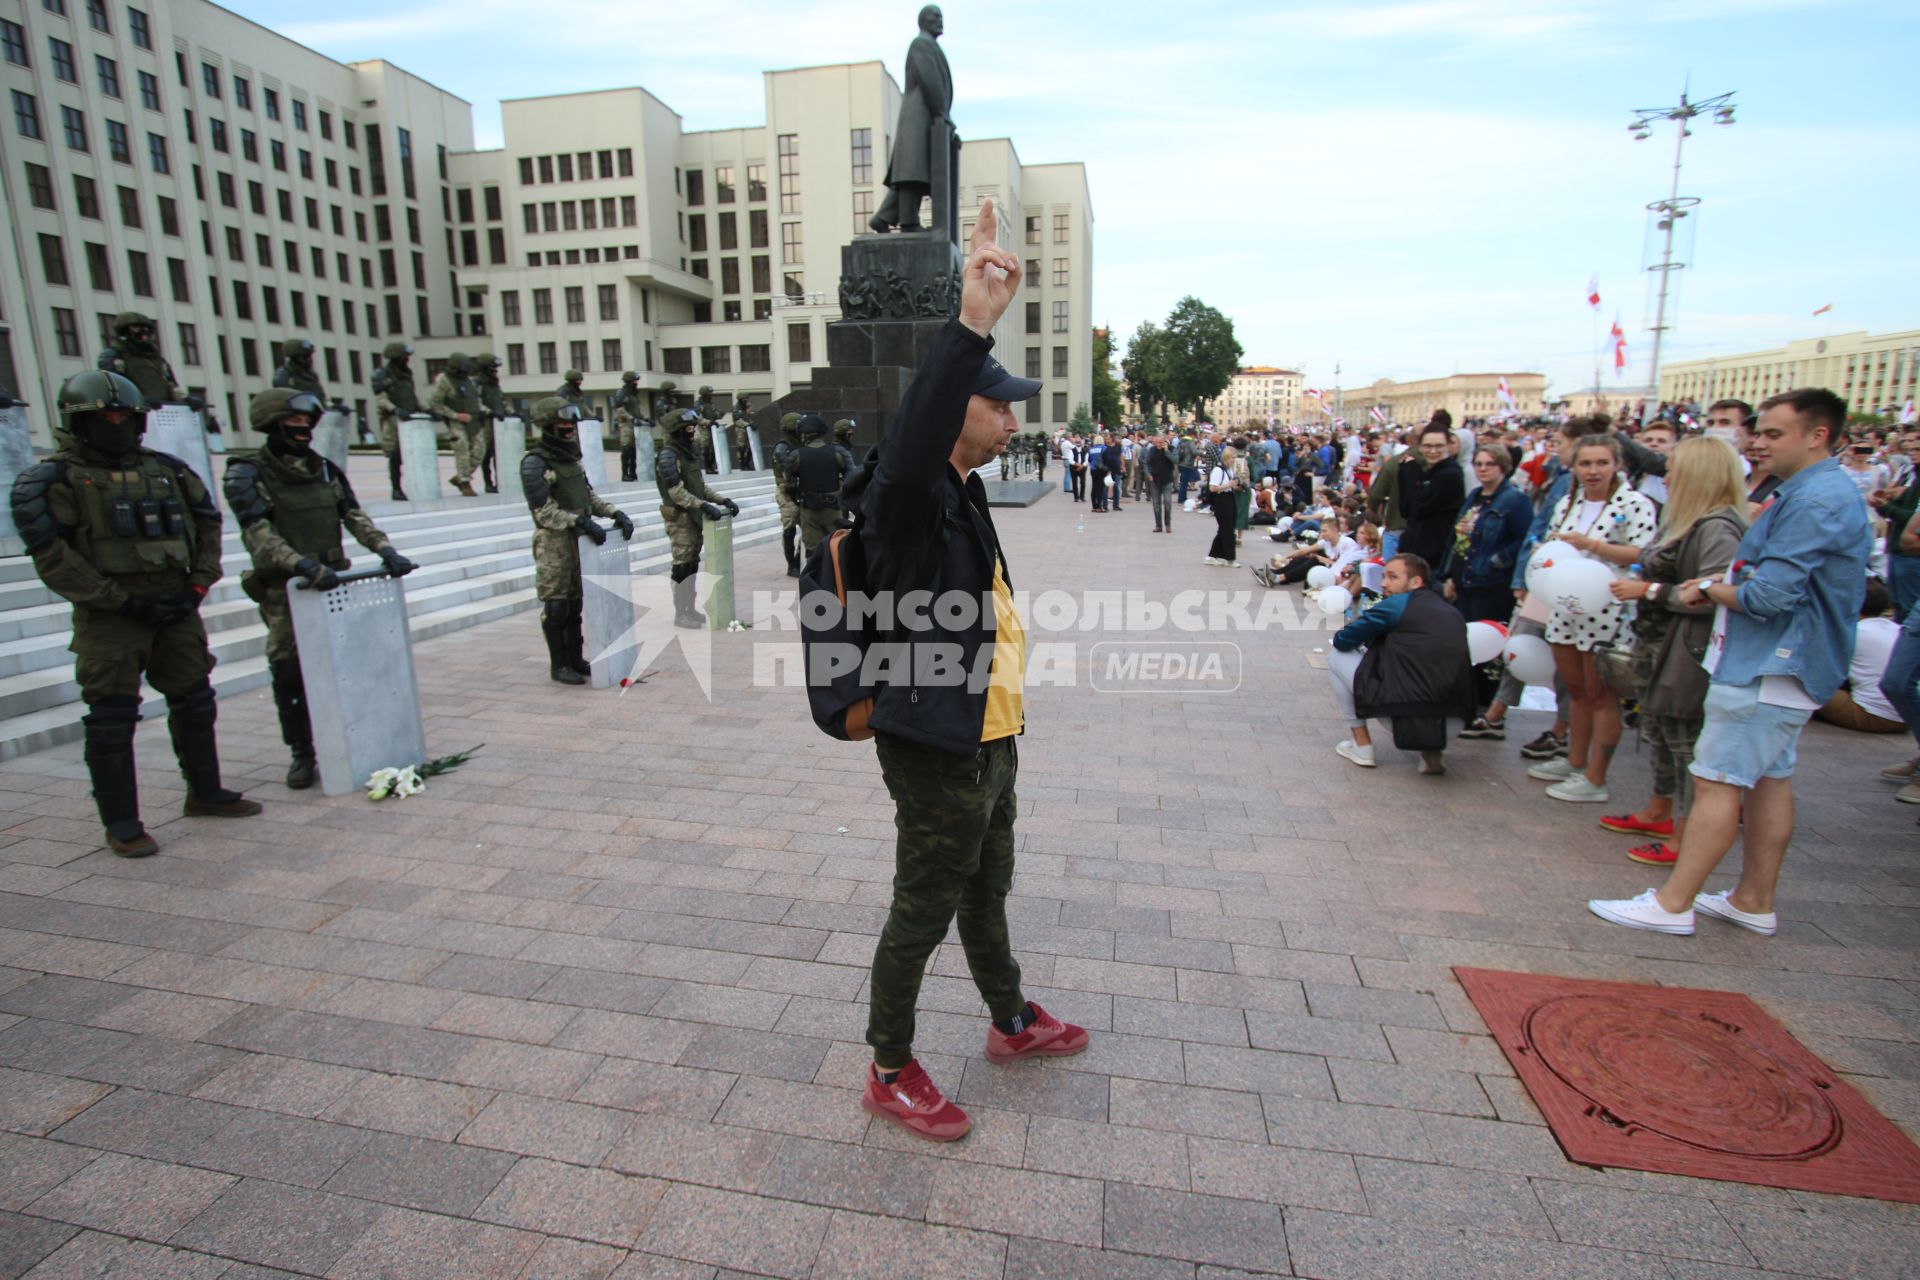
{"type": "Point", "coordinates": [923, 528]}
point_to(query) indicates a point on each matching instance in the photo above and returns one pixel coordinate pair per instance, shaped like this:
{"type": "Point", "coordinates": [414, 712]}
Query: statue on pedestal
{"type": "Point", "coordinates": [924, 143]}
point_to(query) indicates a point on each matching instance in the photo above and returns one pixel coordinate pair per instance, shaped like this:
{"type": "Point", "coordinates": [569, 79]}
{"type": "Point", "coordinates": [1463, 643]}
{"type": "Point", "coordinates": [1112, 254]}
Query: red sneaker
{"type": "Point", "coordinates": [914, 1102]}
{"type": "Point", "coordinates": [1657, 854]}
{"type": "Point", "coordinates": [1631, 825]}
{"type": "Point", "coordinates": [1048, 1037]}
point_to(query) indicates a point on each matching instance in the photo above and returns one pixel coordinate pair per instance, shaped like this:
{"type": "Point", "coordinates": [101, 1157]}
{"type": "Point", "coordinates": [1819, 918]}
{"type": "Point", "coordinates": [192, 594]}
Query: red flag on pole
{"type": "Point", "coordinates": [1593, 291]}
{"type": "Point", "coordinates": [1619, 346]}
{"type": "Point", "coordinates": [1823, 310]}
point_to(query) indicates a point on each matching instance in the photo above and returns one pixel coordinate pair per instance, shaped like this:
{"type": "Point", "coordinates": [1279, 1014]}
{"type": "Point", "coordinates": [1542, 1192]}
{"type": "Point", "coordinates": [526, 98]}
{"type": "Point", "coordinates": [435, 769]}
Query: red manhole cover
{"type": "Point", "coordinates": [1685, 1077]}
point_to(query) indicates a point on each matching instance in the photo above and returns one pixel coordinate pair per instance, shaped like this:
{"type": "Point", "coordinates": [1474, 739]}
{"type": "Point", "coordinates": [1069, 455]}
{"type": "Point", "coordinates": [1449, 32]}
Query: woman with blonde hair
{"type": "Point", "coordinates": [1222, 486]}
{"type": "Point", "coordinates": [1700, 531]}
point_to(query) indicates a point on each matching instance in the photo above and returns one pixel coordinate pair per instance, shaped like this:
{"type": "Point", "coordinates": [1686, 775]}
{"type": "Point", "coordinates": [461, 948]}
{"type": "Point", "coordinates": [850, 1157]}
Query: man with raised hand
{"type": "Point", "coordinates": [946, 732]}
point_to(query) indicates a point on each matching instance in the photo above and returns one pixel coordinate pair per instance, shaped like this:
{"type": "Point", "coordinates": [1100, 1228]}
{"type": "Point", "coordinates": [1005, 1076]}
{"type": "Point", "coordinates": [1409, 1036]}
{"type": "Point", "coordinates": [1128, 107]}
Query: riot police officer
{"type": "Point", "coordinates": [571, 392]}
{"type": "Point", "coordinates": [493, 407]}
{"type": "Point", "coordinates": [292, 505]}
{"type": "Point", "coordinates": [135, 356]}
{"type": "Point", "coordinates": [395, 398]}
{"type": "Point", "coordinates": [783, 454]}
{"type": "Point", "coordinates": [683, 501]}
{"type": "Point", "coordinates": [818, 469]}
{"type": "Point", "coordinates": [455, 400]}
{"type": "Point", "coordinates": [296, 369]}
{"type": "Point", "coordinates": [131, 537]}
{"type": "Point", "coordinates": [626, 412]}
{"type": "Point", "coordinates": [563, 504]}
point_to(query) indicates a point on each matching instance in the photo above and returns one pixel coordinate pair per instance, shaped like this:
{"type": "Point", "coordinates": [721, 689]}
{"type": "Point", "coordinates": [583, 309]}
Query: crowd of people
{"type": "Point", "coordinates": [1761, 568]}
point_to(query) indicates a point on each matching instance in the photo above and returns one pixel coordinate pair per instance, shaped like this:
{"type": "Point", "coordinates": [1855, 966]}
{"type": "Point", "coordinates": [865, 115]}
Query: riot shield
{"type": "Point", "coordinates": [593, 454]}
{"type": "Point", "coordinates": [722, 449]}
{"type": "Point", "coordinates": [753, 446]}
{"type": "Point", "coordinates": [330, 436]}
{"type": "Point", "coordinates": [717, 552]}
{"type": "Point", "coordinates": [356, 656]}
{"type": "Point", "coordinates": [16, 455]}
{"type": "Point", "coordinates": [643, 454]}
{"type": "Point", "coordinates": [606, 572]}
{"type": "Point", "coordinates": [420, 457]}
{"type": "Point", "coordinates": [509, 447]}
{"type": "Point", "coordinates": [176, 429]}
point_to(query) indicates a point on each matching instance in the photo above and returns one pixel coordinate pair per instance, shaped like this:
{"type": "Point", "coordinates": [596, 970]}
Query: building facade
{"type": "Point", "coordinates": [177, 159]}
{"type": "Point", "coordinates": [1464, 395]}
{"type": "Point", "coordinates": [1259, 394]}
{"type": "Point", "coordinates": [1873, 373]}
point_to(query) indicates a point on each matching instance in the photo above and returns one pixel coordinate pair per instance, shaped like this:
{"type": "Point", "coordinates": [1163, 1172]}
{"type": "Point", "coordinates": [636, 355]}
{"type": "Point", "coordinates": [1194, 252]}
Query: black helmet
{"type": "Point", "coordinates": [812, 424]}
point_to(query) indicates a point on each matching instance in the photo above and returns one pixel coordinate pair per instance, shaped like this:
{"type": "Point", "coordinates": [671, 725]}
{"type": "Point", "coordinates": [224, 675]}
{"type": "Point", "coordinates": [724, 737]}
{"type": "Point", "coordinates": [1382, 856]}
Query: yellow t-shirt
{"type": "Point", "coordinates": [1006, 705]}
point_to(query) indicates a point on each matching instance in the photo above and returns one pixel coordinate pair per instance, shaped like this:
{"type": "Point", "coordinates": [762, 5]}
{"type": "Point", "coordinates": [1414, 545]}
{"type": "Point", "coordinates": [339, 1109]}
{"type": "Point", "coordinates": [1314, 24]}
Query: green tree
{"type": "Point", "coordinates": [1143, 367]}
{"type": "Point", "coordinates": [1199, 354]}
{"type": "Point", "coordinates": [1081, 423]}
{"type": "Point", "coordinates": [1107, 405]}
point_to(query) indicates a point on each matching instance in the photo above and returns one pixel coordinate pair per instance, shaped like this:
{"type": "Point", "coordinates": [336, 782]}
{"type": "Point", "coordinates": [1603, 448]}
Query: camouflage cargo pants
{"type": "Point", "coordinates": [467, 449]}
{"type": "Point", "coordinates": [278, 615]}
{"type": "Point", "coordinates": [556, 564]}
{"type": "Point", "coordinates": [623, 430]}
{"type": "Point", "coordinates": [685, 533]}
{"type": "Point", "coordinates": [789, 509]}
{"type": "Point", "coordinates": [388, 431]}
{"type": "Point", "coordinates": [953, 859]}
{"type": "Point", "coordinates": [482, 439]}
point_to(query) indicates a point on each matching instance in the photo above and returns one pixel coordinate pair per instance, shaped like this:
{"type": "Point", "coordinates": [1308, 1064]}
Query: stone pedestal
{"type": "Point", "coordinates": [606, 572]}
{"type": "Point", "coordinates": [176, 429]}
{"type": "Point", "coordinates": [356, 656]}
{"type": "Point", "coordinates": [593, 454]}
{"type": "Point", "coordinates": [330, 436]}
{"type": "Point", "coordinates": [509, 447]}
{"type": "Point", "coordinates": [420, 458]}
{"type": "Point", "coordinates": [716, 566]}
{"type": "Point", "coordinates": [16, 455]}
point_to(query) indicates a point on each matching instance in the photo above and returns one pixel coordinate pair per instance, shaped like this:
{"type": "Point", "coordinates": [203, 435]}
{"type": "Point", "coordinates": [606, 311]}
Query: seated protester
{"type": "Point", "coordinates": [1858, 703]}
{"type": "Point", "coordinates": [1414, 670]}
{"type": "Point", "coordinates": [1291, 569]}
{"type": "Point", "coordinates": [1266, 506]}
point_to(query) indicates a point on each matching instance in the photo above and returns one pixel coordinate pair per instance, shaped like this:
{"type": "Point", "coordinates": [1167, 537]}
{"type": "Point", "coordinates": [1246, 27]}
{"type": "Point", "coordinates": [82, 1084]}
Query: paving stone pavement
{"type": "Point", "coordinates": [593, 1006]}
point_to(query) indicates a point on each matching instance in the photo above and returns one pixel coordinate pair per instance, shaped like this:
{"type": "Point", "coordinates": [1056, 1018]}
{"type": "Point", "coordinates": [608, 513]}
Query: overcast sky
{"type": "Point", "coordinates": [1402, 189]}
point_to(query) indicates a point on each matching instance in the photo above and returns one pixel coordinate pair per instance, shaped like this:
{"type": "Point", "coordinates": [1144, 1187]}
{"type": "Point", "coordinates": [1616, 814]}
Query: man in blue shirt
{"type": "Point", "coordinates": [1782, 642]}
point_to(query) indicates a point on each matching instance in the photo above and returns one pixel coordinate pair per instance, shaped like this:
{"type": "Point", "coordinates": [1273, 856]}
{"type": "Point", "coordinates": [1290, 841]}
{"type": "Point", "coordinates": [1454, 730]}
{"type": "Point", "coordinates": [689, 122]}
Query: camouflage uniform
{"type": "Point", "coordinates": [816, 472]}
{"type": "Point", "coordinates": [131, 538]}
{"type": "Point", "coordinates": [136, 357]}
{"type": "Point", "coordinates": [783, 451]}
{"type": "Point", "coordinates": [455, 400]}
{"type": "Point", "coordinates": [292, 505]}
{"type": "Point", "coordinates": [626, 410]}
{"type": "Point", "coordinates": [394, 398]}
{"type": "Point", "coordinates": [953, 859]}
{"type": "Point", "coordinates": [742, 446]}
{"type": "Point", "coordinates": [296, 369]}
{"type": "Point", "coordinates": [684, 500]}
{"type": "Point", "coordinates": [493, 404]}
{"type": "Point", "coordinates": [570, 391]}
{"type": "Point", "coordinates": [563, 504]}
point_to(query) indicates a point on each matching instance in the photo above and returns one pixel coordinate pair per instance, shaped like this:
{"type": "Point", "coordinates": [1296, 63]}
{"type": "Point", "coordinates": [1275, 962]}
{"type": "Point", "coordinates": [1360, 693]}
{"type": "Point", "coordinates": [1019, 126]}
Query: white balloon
{"type": "Point", "coordinates": [1547, 556]}
{"type": "Point", "coordinates": [1530, 660]}
{"type": "Point", "coordinates": [1485, 641]}
{"type": "Point", "coordinates": [1581, 587]}
{"type": "Point", "coordinates": [1334, 600]}
{"type": "Point", "coordinates": [1319, 576]}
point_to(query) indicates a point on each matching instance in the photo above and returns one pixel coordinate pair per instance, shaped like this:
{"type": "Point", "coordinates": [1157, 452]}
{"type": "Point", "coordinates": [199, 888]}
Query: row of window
{"type": "Point", "coordinates": [727, 227]}
{"type": "Point", "coordinates": [576, 166]}
{"type": "Point", "coordinates": [580, 215]}
{"type": "Point", "coordinates": [1059, 362]}
{"type": "Point", "coordinates": [574, 257]}
{"type": "Point", "coordinates": [1059, 317]}
{"type": "Point", "coordinates": [574, 299]}
{"type": "Point", "coordinates": [724, 191]}
{"type": "Point", "coordinates": [73, 125]}
{"type": "Point", "coordinates": [754, 358]}
{"type": "Point", "coordinates": [138, 28]}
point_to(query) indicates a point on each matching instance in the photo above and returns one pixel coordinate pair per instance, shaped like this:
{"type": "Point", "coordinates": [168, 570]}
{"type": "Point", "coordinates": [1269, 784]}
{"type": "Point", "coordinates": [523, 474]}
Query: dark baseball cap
{"type": "Point", "coordinates": [995, 383]}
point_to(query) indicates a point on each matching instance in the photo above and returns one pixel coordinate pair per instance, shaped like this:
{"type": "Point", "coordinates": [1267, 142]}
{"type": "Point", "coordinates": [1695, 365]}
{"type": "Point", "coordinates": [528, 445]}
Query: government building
{"type": "Point", "coordinates": [1873, 373]}
{"type": "Point", "coordinates": [1464, 395]}
{"type": "Point", "coordinates": [180, 160]}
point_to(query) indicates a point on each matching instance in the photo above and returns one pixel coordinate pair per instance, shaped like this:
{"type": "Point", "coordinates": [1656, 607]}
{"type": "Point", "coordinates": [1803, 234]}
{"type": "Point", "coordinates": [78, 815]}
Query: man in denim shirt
{"type": "Point", "coordinates": [1781, 645]}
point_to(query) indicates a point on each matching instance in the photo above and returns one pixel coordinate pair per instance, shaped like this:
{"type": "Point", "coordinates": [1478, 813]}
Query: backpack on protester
{"type": "Point", "coordinates": [841, 704]}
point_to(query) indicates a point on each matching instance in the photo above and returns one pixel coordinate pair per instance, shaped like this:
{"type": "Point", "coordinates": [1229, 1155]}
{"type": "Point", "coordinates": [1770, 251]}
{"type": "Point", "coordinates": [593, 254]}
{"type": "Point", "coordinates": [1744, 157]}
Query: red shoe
{"type": "Point", "coordinates": [1657, 854]}
{"type": "Point", "coordinates": [1048, 1037]}
{"type": "Point", "coordinates": [914, 1102]}
{"type": "Point", "coordinates": [1628, 824]}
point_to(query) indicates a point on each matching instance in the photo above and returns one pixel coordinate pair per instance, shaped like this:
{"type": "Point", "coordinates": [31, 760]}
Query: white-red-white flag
{"type": "Point", "coordinates": [1823, 310]}
{"type": "Point", "coordinates": [1907, 417]}
{"type": "Point", "coordinates": [1619, 336]}
{"type": "Point", "coordinates": [1379, 417]}
{"type": "Point", "coordinates": [1593, 291]}
{"type": "Point", "coordinates": [1505, 392]}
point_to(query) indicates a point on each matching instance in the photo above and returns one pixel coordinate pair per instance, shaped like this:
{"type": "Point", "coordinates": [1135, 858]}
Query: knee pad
{"type": "Point", "coordinates": [112, 718]}
{"type": "Point", "coordinates": [196, 703]}
{"type": "Point", "coordinates": [558, 612]}
{"type": "Point", "coordinates": [681, 572]}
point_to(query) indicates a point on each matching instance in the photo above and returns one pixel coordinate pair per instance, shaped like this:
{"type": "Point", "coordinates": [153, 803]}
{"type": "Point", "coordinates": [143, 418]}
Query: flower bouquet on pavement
{"type": "Point", "coordinates": [401, 783]}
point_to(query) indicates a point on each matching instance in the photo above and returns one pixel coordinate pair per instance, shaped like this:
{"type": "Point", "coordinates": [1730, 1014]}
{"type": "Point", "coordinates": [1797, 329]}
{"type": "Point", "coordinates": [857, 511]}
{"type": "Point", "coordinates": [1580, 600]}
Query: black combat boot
{"type": "Point", "coordinates": [630, 463]}
{"type": "Point", "coordinates": [190, 721]}
{"type": "Point", "coordinates": [393, 474]}
{"type": "Point", "coordinates": [577, 638]}
{"type": "Point", "coordinates": [684, 614]}
{"type": "Point", "coordinates": [556, 624]}
{"type": "Point", "coordinates": [486, 473]}
{"type": "Point", "coordinates": [790, 540]}
{"type": "Point", "coordinates": [116, 792]}
{"type": "Point", "coordinates": [290, 696]}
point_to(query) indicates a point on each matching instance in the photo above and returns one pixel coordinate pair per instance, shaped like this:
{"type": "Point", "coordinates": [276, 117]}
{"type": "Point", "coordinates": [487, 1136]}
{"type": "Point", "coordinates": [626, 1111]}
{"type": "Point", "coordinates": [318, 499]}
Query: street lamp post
{"type": "Point", "coordinates": [1675, 206]}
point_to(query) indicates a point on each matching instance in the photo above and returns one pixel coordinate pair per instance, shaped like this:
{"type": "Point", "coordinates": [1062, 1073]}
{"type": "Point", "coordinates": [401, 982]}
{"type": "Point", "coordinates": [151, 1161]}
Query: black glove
{"type": "Point", "coordinates": [177, 607]}
{"type": "Point", "coordinates": [586, 528]}
{"type": "Point", "coordinates": [397, 565]}
{"type": "Point", "coordinates": [139, 608]}
{"type": "Point", "coordinates": [196, 404]}
{"type": "Point", "coordinates": [318, 576]}
{"type": "Point", "coordinates": [733, 508]}
{"type": "Point", "coordinates": [625, 524]}
{"type": "Point", "coordinates": [714, 511]}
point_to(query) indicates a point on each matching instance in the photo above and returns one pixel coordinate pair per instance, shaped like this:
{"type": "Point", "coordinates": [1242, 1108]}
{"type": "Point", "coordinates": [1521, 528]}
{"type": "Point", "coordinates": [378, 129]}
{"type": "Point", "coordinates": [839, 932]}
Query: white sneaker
{"type": "Point", "coordinates": [1362, 756]}
{"type": "Point", "coordinates": [1902, 772]}
{"type": "Point", "coordinates": [1213, 560]}
{"type": "Point", "coordinates": [1717, 906]}
{"type": "Point", "coordinates": [1554, 770]}
{"type": "Point", "coordinates": [1233, 564]}
{"type": "Point", "coordinates": [1577, 790]}
{"type": "Point", "coordinates": [1643, 912]}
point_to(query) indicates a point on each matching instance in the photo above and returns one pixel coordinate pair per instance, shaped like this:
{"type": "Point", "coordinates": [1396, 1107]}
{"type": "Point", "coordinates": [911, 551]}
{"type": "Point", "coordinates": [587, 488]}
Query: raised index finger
{"type": "Point", "coordinates": [985, 227]}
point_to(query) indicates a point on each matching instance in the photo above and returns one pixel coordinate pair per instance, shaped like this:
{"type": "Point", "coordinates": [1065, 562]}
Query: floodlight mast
{"type": "Point", "coordinates": [1675, 206]}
